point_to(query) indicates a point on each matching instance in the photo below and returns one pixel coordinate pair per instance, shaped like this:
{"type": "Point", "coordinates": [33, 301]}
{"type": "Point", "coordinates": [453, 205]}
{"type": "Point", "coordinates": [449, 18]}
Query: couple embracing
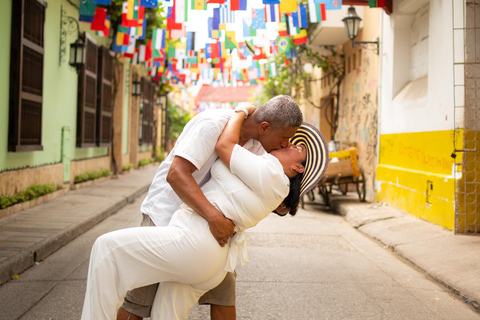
{"type": "Point", "coordinates": [227, 171]}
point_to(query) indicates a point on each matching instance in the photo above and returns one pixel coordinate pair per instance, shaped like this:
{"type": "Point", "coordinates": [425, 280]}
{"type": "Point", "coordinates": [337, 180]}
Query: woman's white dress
{"type": "Point", "coordinates": [185, 257]}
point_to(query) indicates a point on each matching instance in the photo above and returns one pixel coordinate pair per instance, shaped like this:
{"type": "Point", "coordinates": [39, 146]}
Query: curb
{"type": "Point", "coordinates": [26, 259]}
{"type": "Point", "coordinates": [434, 269]}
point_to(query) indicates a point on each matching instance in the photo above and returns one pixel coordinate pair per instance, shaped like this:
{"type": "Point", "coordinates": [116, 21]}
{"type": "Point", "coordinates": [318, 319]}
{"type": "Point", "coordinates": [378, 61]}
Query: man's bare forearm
{"type": "Point", "coordinates": [187, 189]}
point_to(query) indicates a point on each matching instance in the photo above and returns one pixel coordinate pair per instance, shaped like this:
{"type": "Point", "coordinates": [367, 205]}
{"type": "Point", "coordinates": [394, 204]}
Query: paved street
{"type": "Point", "coordinates": [312, 266]}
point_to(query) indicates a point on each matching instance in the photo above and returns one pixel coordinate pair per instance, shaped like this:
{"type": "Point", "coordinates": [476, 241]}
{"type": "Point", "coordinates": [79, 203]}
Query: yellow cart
{"type": "Point", "coordinates": [343, 170]}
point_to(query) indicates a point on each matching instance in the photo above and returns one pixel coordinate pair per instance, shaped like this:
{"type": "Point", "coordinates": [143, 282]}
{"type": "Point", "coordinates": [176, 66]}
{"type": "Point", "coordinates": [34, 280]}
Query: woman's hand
{"type": "Point", "coordinates": [247, 105]}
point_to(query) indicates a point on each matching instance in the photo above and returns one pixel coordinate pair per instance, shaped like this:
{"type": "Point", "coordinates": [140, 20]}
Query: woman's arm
{"type": "Point", "coordinates": [231, 135]}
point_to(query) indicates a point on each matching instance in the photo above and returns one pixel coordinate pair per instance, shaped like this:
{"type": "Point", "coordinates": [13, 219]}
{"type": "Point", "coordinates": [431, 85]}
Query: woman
{"type": "Point", "coordinates": [184, 256]}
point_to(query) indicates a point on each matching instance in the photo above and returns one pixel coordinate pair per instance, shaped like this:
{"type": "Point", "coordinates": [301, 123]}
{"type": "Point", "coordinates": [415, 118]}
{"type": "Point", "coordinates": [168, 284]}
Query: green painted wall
{"type": "Point", "coordinates": [59, 93]}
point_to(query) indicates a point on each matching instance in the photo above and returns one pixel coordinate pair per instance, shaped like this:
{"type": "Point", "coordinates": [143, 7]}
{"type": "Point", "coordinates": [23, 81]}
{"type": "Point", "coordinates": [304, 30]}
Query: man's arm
{"type": "Point", "coordinates": [182, 182]}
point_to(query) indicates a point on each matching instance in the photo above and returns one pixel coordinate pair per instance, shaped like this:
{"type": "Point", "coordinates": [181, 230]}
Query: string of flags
{"type": "Point", "coordinates": [220, 59]}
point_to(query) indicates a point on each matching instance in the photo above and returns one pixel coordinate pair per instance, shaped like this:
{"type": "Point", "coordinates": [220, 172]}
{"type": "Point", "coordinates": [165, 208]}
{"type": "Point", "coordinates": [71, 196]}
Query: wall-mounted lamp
{"type": "Point", "coordinates": [136, 88]}
{"type": "Point", "coordinates": [352, 26]}
{"type": "Point", "coordinates": [69, 25]}
{"type": "Point", "coordinates": [77, 54]}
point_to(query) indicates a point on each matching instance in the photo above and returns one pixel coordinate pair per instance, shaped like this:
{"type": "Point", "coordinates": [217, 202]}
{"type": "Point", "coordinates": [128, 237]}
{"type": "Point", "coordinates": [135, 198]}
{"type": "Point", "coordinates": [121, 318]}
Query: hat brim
{"type": "Point", "coordinates": [317, 155]}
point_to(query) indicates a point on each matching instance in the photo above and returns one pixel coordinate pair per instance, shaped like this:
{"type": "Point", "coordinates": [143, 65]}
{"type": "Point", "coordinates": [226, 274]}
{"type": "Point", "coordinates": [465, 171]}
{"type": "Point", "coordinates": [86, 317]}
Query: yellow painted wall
{"type": "Point", "coordinates": [408, 162]}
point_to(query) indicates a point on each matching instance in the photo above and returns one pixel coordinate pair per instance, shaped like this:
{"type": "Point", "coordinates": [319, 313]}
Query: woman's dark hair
{"type": "Point", "coordinates": [293, 198]}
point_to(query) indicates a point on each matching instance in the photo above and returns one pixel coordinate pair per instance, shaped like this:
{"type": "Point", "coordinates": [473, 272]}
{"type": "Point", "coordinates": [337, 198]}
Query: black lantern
{"type": "Point", "coordinates": [77, 54]}
{"type": "Point", "coordinates": [136, 88]}
{"type": "Point", "coordinates": [352, 26]}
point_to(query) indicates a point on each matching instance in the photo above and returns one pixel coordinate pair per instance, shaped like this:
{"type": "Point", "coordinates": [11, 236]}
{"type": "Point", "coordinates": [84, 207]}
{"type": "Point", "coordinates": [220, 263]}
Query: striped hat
{"type": "Point", "coordinates": [317, 155]}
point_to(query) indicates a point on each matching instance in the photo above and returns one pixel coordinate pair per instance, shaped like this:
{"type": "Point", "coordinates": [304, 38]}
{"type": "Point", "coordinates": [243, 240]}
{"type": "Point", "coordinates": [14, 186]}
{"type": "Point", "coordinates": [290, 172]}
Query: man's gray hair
{"type": "Point", "coordinates": [281, 112]}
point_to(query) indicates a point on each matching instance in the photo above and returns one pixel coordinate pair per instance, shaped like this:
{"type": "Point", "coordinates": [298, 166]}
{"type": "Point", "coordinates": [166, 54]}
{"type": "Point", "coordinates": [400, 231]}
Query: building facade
{"type": "Point", "coordinates": [57, 122]}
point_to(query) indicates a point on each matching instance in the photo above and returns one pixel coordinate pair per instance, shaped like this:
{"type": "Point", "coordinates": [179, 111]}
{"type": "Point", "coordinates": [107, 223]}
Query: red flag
{"type": "Point", "coordinates": [323, 12]}
{"type": "Point", "coordinates": [148, 50]}
{"type": "Point", "coordinates": [234, 5]}
{"type": "Point", "coordinates": [98, 23]}
{"type": "Point", "coordinates": [216, 1]}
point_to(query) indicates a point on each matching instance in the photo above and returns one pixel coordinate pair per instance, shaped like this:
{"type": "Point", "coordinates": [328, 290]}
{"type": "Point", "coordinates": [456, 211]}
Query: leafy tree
{"type": "Point", "coordinates": [177, 119]}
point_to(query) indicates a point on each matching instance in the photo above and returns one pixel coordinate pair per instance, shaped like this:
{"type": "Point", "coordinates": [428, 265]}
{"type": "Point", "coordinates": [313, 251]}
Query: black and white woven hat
{"type": "Point", "coordinates": [317, 155]}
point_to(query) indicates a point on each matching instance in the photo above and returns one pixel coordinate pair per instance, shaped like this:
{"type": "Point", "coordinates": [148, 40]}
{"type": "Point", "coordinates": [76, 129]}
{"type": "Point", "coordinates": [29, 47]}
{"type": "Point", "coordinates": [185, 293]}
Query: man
{"type": "Point", "coordinates": [187, 167]}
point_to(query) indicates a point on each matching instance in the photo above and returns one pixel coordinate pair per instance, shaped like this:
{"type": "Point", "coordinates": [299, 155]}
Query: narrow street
{"type": "Point", "coordinates": [312, 266]}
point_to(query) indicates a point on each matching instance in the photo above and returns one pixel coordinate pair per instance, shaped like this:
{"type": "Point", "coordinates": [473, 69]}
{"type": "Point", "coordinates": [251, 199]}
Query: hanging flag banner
{"type": "Point", "coordinates": [258, 19]}
{"type": "Point", "coordinates": [316, 11]}
{"type": "Point", "coordinates": [300, 17]}
{"type": "Point", "coordinates": [87, 11]}
{"type": "Point", "coordinates": [283, 44]}
{"type": "Point", "coordinates": [149, 3]}
{"type": "Point", "coordinates": [288, 6]}
{"type": "Point", "coordinates": [301, 37]}
{"type": "Point", "coordinates": [376, 3]}
{"type": "Point", "coordinates": [103, 2]}
{"type": "Point", "coordinates": [332, 4]}
{"type": "Point", "coordinates": [272, 13]}
{"type": "Point", "coordinates": [199, 5]}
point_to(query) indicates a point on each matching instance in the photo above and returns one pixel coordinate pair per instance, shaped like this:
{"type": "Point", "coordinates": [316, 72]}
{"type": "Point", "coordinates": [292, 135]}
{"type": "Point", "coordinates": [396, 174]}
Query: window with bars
{"type": "Point", "coordinates": [26, 75]}
{"type": "Point", "coordinates": [147, 121]}
{"type": "Point", "coordinates": [95, 97]}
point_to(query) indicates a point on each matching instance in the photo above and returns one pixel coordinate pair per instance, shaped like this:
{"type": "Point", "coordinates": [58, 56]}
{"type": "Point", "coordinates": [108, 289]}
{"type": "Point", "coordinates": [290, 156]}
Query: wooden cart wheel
{"type": "Point", "coordinates": [343, 187]}
{"type": "Point", "coordinates": [361, 187]}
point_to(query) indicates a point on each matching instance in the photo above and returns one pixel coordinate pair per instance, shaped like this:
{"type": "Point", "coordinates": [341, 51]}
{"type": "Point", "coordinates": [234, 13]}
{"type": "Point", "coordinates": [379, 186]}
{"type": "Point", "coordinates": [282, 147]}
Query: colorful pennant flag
{"type": "Point", "coordinates": [301, 37]}
{"type": "Point", "coordinates": [250, 47]}
{"type": "Point", "coordinates": [288, 6]}
{"type": "Point", "coordinates": [149, 3]}
{"type": "Point", "coordinates": [333, 4]}
{"type": "Point", "coordinates": [376, 3]}
{"type": "Point", "coordinates": [258, 19]}
{"type": "Point", "coordinates": [103, 2]}
{"type": "Point", "coordinates": [190, 41]}
{"type": "Point", "coordinates": [271, 1]}
{"type": "Point", "coordinates": [199, 5]}
{"type": "Point", "coordinates": [238, 5]}
{"type": "Point", "coordinates": [300, 17]}
{"type": "Point", "coordinates": [226, 15]}
{"type": "Point", "coordinates": [272, 13]}
{"type": "Point", "coordinates": [316, 11]}
{"type": "Point", "coordinates": [283, 44]}
{"type": "Point", "coordinates": [87, 11]}
{"type": "Point", "coordinates": [230, 41]}
{"type": "Point", "coordinates": [98, 23]}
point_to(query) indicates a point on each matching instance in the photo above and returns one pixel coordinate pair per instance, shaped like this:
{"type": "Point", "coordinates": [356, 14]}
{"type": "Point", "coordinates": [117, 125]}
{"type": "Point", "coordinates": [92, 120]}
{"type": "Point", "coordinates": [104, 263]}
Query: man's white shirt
{"type": "Point", "coordinates": [196, 144]}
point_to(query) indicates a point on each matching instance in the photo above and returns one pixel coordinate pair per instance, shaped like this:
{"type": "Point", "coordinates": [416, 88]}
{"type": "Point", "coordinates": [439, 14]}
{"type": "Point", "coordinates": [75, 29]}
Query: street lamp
{"type": "Point", "coordinates": [77, 54]}
{"type": "Point", "coordinates": [352, 26]}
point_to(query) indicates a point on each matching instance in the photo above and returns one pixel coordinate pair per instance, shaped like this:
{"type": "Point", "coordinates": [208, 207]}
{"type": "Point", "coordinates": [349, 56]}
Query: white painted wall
{"type": "Point", "coordinates": [417, 67]}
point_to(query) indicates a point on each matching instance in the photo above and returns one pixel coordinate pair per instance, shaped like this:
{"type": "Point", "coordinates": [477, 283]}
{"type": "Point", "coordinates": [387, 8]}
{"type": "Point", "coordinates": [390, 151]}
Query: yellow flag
{"type": "Point", "coordinates": [288, 5]}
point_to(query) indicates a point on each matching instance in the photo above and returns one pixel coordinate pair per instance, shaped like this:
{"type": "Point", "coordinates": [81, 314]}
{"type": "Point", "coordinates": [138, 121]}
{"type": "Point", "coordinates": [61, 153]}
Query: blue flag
{"type": "Point", "coordinates": [149, 3]}
{"type": "Point", "coordinates": [104, 2]}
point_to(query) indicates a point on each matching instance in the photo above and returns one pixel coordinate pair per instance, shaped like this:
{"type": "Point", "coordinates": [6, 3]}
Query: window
{"type": "Point", "coordinates": [105, 97]}
{"type": "Point", "coordinates": [147, 123]}
{"type": "Point", "coordinates": [87, 93]}
{"type": "Point", "coordinates": [26, 75]}
{"type": "Point", "coordinates": [95, 103]}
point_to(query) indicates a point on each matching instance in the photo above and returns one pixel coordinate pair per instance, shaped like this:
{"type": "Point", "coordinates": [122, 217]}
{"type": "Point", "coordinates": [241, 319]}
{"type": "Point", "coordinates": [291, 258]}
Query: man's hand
{"type": "Point", "coordinates": [222, 229]}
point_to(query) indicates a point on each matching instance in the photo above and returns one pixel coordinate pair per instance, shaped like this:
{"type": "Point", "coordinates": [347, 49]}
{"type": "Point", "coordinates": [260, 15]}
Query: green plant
{"type": "Point", "coordinates": [92, 175]}
{"type": "Point", "coordinates": [32, 192]}
{"type": "Point", "coordinates": [177, 119]}
{"type": "Point", "coordinates": [127, 166]}
{"type": "Point", "coordinates": [291, 78]}
{"type": "Point", "coordinates": [145, 161]}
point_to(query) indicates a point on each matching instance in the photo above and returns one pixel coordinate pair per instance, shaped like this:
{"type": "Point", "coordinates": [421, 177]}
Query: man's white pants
{"type": "Point", "coordinates": [184, 257]}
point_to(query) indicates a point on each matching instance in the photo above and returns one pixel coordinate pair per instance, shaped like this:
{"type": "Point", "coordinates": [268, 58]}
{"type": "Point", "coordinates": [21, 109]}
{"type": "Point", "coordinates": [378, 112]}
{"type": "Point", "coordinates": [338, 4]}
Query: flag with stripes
{"type": "Point", "coordinates": [226, 15]}
{"type": "Point", "coordinates": [333, 4]}
{"type": "Point", "coordinates": [250, 47]}
{"type": "Point", "coordinates": [316, 11]}
{"type": "Point", "coordinates": [376, 3]}
{"type": "Point", "coordinates": [272, 13]}
{"type": "Point", "coordinates": [300, 17]}
{"type": "Point", "coordinates": [291, 29]}
{"type": "Point", "coordinates": [199, 5]}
